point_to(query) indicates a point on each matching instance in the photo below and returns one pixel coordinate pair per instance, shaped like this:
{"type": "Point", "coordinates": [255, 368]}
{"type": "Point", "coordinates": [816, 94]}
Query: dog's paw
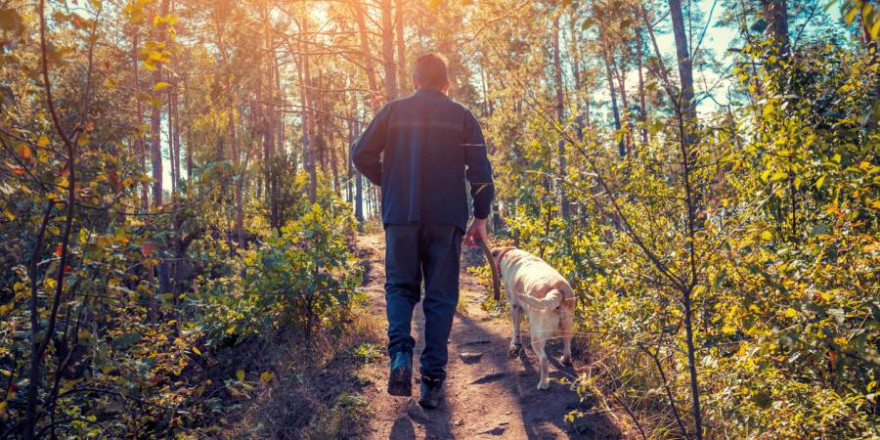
{"type": "Point", "coordinates": [544, 384]}
{"type": "Point", "coordinates": [514, 350]}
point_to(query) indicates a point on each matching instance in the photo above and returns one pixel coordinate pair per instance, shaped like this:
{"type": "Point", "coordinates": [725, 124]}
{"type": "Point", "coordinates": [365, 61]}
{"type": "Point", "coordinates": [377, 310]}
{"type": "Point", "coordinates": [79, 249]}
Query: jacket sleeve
{"type": "Point", "coordinates": [366, 153]}
{"type": "Point", "coordinates": [479, 170]}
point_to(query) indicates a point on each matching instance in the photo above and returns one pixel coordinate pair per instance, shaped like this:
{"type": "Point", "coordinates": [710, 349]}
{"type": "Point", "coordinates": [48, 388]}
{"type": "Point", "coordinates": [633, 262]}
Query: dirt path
{"type": "Point", "coordinates": [492, 397]}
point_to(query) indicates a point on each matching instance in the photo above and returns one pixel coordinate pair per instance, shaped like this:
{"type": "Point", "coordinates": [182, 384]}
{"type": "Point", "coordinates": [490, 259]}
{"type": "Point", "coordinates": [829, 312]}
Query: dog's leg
{"type": "Point", "coordinates": [539, 341]}
{"type": "Point", "coordinates": [567, 334]}
{"type": "Point", "coordinates": [516, 337]}
{"type": "Point", "coordinates": [543, 327]}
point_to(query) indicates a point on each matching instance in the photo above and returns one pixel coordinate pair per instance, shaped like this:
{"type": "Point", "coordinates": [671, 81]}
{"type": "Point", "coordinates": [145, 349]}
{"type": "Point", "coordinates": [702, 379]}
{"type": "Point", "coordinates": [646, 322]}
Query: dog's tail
{"type": "Point", "coordinates": [551, 301]}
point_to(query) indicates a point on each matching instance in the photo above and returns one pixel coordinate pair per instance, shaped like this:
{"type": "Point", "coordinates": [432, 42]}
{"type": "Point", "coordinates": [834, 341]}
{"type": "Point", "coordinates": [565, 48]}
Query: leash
{"type": "Point", "coordinates": [496, 277]}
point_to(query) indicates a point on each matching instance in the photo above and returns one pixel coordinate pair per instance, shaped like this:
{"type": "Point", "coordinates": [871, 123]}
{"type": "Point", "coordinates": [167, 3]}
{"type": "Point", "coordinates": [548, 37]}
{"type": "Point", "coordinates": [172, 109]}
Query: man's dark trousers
{"type": "Point", "coordinates": [414, 253]}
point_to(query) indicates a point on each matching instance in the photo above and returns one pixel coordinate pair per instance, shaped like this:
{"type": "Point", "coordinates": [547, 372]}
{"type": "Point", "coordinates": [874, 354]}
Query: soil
{"type": "Point", "coordinates": [489, 395]}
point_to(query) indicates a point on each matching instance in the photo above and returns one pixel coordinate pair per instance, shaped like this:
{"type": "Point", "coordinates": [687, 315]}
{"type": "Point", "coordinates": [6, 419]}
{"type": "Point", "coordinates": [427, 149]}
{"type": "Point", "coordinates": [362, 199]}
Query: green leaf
{"type": "Point", "coordinates": [125, 341]}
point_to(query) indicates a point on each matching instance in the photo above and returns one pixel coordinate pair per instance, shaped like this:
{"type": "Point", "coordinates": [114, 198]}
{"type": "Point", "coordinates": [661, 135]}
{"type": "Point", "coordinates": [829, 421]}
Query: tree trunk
{"type": "Point", "coordinates": [140, 148]}
{"type": "Point", "coordinates": [687, 120]}
{"type": "Point", "coordinates": [643, 108]}
{"type": "Point", "coordinates": [560, 115]}
{"type": "Point", "coordinates": [233, 146]}
{"type": "Point", "coordinates": [685, 103]}
{"type": "Point", "coordinates": [279, 103]}
{"type": "Point", "coordinates": [307, 133]}
{"type": "Point", "coordinates": [156, 116]}
{"type": "Point", "coordinates": [268, 124]}
{"type": "Point", "coordinates": [576, 74]}
{"type": "Point", "coordinates": [621, 147]}
{"type": "Point", "coordinates": [401, 48]}
{"type": "Point", "coordinates": [174, 132]}
{"type": "Point", "coordinates": [776, 15]}
{"type": "Point", "coordinates": [240, 173]}
{"type": "Point", "coordinates": [358, 12]}
{"type": "Point", "coordinates": [388, 51]}
{"type": "Point", "coordinates": [173, 118]}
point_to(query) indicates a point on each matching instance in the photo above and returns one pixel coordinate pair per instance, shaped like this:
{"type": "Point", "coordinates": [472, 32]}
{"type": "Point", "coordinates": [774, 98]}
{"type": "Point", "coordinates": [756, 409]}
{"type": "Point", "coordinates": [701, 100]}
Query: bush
{"type": "Point", "coordinates": [303, 279]}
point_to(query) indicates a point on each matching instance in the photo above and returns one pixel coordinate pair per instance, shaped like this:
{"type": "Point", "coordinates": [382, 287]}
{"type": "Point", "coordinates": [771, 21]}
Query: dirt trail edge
{"type": "Point", "coordinates": [488, 393]}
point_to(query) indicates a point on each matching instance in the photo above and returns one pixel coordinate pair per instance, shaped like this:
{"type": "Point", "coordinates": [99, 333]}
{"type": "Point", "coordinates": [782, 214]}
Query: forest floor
{"type": "Point", "coordinates": [492, 395]}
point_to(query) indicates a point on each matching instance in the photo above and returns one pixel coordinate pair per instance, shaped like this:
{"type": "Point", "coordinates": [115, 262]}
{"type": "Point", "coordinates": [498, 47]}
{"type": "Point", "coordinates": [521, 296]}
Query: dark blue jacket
{"type": "Point", "coordinates": [422, 150]}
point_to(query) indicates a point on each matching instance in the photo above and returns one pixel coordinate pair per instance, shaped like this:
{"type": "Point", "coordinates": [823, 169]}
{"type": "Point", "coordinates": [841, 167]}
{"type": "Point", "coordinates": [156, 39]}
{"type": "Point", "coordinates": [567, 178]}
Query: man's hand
{"type": "Point", "coordinates": [476, 232]}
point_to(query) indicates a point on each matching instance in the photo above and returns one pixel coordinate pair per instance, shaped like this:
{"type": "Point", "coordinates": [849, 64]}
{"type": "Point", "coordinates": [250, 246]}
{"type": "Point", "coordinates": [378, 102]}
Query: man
{"type": "Point", "coordinates": [421, 149]}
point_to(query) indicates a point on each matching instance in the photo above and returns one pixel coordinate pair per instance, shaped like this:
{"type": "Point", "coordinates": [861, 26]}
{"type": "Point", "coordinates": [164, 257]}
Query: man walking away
{"type": "Point", "coordinates": [421, 150]}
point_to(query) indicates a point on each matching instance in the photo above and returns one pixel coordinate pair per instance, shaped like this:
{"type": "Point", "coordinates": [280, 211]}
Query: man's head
{"type": "Point", "coordinates": [430, 71]}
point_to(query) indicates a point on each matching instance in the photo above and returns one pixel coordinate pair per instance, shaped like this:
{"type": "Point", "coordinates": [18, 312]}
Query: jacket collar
{"type": "Point", "coordinates": [431, 90]}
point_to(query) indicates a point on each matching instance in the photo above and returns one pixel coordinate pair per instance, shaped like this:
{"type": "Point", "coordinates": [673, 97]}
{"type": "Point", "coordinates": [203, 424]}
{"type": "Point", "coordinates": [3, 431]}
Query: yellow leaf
{"type": "Point", "coordinates": [767, 235]}
{"type": "Point", "coordinates": [820, 182]}
{"type": "Point", "coordinates": [160, 86]}
{"type": "Point", "coordinates": [9, 214]}
{"type": "Point", "coordinates": [240, 375]}
{"type": "Point", "coordinates": [196, 351]}
{"type": "Point", "coordinates": [266, 376]}
{"type": "Point", "coordinates": [790, 313]}
{"type": "Point", "coordinates": [24, 151]}
{"type": "Point", "coordinates": [851, 15]}
{"type": "Point", "coordinates": [728, 329]}
{"type": "Point", "coordinates": [43, 141]}
{"type": "Point", "coordinates": [779, 175]}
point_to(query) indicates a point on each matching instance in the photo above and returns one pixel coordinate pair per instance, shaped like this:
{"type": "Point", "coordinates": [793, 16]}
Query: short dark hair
{"type": "Point", "coordinates": [430, 70]}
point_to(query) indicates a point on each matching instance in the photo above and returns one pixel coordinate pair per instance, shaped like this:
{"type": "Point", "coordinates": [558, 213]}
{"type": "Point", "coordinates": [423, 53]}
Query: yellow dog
{"type": "Point", "coordinates": [542, 292]}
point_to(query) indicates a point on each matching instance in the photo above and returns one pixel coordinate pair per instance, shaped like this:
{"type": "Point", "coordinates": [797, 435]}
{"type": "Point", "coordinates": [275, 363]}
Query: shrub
{"type": "Point", "coordinates": [303, 279]}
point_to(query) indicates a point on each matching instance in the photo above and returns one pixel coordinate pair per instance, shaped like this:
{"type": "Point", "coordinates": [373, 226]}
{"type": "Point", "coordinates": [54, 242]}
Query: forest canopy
{"type": "Point", "coordinates": [176, 195]}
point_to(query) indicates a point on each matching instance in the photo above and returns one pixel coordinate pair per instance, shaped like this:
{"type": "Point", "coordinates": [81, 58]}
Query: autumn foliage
{"type": "Point", "coordinates": [176, 202]}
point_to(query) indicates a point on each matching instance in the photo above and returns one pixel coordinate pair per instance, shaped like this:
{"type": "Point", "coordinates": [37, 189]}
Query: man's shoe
{"type": "Point", "coordinates": [431, 392]}
{"type": "Point", "coordinates": [400, 379]}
